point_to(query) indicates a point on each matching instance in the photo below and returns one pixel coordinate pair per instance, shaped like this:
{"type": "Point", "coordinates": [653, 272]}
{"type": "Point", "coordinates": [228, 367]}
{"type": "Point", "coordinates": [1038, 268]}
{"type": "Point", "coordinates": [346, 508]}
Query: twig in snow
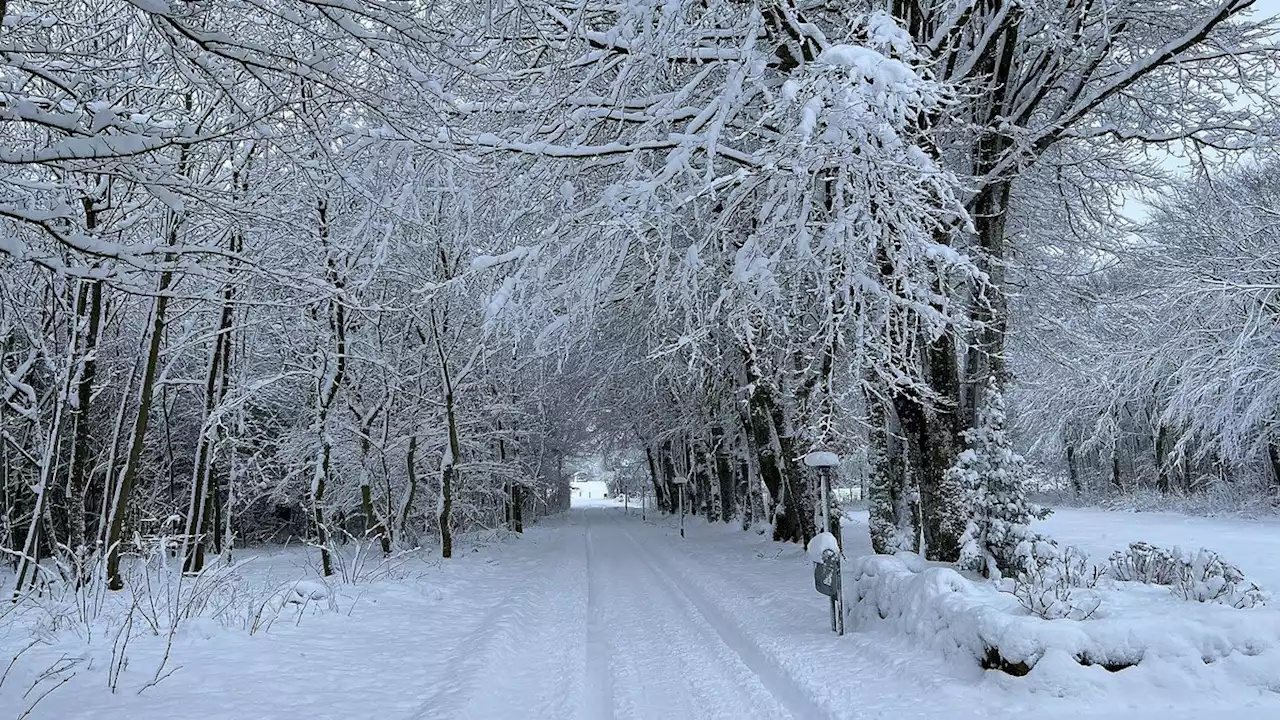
{"type": "Point", "coordinates": [44, 695]}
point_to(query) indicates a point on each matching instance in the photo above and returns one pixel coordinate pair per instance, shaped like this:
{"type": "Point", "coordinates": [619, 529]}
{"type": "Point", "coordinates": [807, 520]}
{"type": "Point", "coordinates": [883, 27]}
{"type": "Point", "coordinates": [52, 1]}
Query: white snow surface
{"type": "Point", "coordinates": [598, 614]}
{"type": "Point", "coordinates": [822, 458]}
{"type": "Point", "coordinates": [821, 543]}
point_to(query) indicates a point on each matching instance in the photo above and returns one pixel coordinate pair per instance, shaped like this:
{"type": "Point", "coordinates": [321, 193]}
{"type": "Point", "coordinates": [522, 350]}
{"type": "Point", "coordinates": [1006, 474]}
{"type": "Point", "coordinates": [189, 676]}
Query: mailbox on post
{"type": "Point", "coordinates": [680, 481]}
{"type": "Point", "coordinates": [826, 574]}
{"type": "Point", "coordinates": [824, 551]}
{"type": "Point", "coordinates": [824, 548]}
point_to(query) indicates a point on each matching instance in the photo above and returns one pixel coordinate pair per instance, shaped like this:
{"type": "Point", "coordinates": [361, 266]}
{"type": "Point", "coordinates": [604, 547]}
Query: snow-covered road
{"type": "Point", "coordinates": [610, 628]}
{"type": "Point", "coordinates": [596, 615]}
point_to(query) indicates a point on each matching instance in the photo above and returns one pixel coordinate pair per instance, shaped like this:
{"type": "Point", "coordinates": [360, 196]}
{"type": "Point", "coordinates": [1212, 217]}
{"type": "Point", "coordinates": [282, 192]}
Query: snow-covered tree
{"type": "Point", "coordinates": [993, 477]}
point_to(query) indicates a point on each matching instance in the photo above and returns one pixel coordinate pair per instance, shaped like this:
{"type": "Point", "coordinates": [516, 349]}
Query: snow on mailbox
{"type": "Point", "coordinates": [824, 551]}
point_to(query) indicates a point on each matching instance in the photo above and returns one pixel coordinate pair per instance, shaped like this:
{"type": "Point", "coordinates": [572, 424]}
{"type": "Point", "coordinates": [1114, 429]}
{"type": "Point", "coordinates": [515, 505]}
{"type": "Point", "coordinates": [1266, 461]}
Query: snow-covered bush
{"type": "Point", "coordinates": [998, 534]}
{"type": "Point", "coordinates": [1202, 577]}
{"type": "Point", "coordinates": [1206, 577]}
{"type": "Point", "coordinates": [1145, 563]}
{"type": "Point", "coordinates": [1055, 583]}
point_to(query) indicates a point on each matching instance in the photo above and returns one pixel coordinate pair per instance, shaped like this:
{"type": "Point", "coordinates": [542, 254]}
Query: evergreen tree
{"type": "Point", "coordinates": [998, 537]}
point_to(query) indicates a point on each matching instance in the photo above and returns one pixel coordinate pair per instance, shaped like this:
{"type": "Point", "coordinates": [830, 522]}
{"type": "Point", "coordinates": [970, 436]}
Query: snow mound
{"type": "Point", "coordinates": [821, 543]}
{"type": "Point", "coordinates": [975, 622]}
{"type": "Point", "coordinates": [303, 593]}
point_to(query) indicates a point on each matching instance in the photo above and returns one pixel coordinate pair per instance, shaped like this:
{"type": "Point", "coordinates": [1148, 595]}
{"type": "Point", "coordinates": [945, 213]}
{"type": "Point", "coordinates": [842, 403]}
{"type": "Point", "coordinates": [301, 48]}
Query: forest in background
{"type": "Point", "coordinates": [361, 269]}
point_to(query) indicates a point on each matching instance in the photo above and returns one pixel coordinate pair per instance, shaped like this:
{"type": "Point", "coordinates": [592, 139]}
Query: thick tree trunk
{"type": "Point", "coordinates": [791, 521]}
{"type": "Point", "coordinates": [668, 473]}
{"type": "Point", "coordinates": [892, 496]}
{"type": "Point", "coordinates": [724, 477]}
{"type": "Point", "coordinates": [517, 506]}
{"type": "Point", "coordinates": [932, 441]}
{"type": "Point", "coordinates": [328, 384]}
{"type": "Point", "coordinates": [706, 503]}
{"type": "Point", "coordinates": [374, 526]}
{"type": "Point", "coordinates": [658, 495]}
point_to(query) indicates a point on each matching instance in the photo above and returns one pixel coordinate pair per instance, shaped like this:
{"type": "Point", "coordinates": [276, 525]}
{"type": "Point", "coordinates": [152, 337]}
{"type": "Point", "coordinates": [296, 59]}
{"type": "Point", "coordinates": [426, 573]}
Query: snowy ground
{"type": "Point", "coordinates": [600, 615]}
{"type": "Point", "coordinates": [1254, 545]}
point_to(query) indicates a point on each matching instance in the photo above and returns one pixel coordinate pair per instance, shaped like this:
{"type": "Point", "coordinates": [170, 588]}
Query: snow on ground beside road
{"type": "Point", "coordinates": [1253, 545]}
{"type": "Point", "coordinates": [590, 616]}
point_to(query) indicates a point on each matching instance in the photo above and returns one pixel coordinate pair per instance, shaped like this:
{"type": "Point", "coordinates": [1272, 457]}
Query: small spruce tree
{"type": "Point", "coordinates": [998, 538]}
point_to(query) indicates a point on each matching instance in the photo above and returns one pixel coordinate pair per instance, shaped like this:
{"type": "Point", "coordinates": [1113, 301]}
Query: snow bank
{"type": "Point", "coordinates": [977, 623]}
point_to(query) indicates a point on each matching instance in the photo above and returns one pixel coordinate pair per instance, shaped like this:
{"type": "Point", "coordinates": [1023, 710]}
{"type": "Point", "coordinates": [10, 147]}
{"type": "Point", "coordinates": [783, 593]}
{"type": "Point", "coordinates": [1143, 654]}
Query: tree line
{"type": "Point", "coordinates": [381, 270]}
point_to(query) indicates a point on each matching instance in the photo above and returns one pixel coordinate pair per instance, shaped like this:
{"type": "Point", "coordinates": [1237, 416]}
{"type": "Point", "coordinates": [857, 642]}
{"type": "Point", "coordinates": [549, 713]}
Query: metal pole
{"type": "Point", "coordinates": [681, 509]}
{"type": "Point", "coordinates": [837, 602]}
{"type": "Point", "coordinates": [825, 474]}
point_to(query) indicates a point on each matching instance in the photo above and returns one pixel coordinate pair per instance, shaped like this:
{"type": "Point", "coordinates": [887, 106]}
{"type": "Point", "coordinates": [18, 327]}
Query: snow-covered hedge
{"type": "Point", "coordinates": [976, 622]}
{"type": "Point", "coordinates": [1202, 577]}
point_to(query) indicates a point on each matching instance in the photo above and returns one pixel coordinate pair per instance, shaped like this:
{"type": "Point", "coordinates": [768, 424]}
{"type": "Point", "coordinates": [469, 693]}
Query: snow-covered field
{"type": "Point", "coordinates": [599, 615]}
{"type": "Point", "coordinates": [1254, 545]}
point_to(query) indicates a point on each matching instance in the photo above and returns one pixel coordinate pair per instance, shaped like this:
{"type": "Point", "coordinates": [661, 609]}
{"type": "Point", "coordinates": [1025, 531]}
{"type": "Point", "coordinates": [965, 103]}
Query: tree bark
{"type": "Point", "coordinates": [1162, 466]}
{"type": "Point", "coordinates": [90, 307]}
{"type": "Point", "coordinates": [724, 476]}
{"type": "Point", "coordinates": [658, 495]}
{"type": "Point", "coordinates": [447, 468]}
{"type": "Point", "coordinates": [124, 487]}
{"type": "Point", "coordinates": [1273, 455]}
{"type": "Point", "coordinates": [1073, 469]}
{"type": "Point", "coordinates": [892, 496]}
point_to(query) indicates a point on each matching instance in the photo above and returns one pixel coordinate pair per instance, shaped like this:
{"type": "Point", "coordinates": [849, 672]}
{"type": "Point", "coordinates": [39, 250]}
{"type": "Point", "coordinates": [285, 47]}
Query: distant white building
{"type": "Point", "coordinates": [589, 489]}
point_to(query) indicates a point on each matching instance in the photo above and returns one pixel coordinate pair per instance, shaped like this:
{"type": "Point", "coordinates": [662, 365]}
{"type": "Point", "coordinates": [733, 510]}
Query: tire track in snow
{"type": "Point", "coordinates": [772, 676]}
{"type": "Point", "coordinates": [472, 656]}
{"type": "Point", "coordinates": [598, 700]}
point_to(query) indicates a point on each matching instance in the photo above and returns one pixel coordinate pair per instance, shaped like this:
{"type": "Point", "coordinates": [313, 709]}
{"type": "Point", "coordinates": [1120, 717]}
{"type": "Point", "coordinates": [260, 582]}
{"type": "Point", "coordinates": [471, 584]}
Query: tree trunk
{"type": "Point", "coordinates": [724, 476]}
{"type": "Point", "coordinates": [411, 475]}
{"type": "Point", "coordinates": [891, 496]}
{"type": "Point", "coordinates": [29, 560]}
{"type": "Point", "coordinates": [1273, 455]}
{"type": "Point", "coordinates": [89, 306]}
{"type": "Point", "coordinates": [658, 495]}
{"type": "Point", "coordinates": [517, 506]}
{"type": "Point", "coordinates": [668, 474]}
{"type": "Point", "coordinates": [931, 444]}
{"type": "Point", "coordinates": [1073, 469]}
{"type": "Point", "coordinates": [1162, 466]}
{"type": "Point", "coordinates": [124, 487]}
{"type": "Point", "coordinates": [776, 467]}
{"type": "Point", "coordinates": [200, 511]}
{"type": "Point", "coordinates": [447, 465]}
{"type": "Point", "coordinates": [329, 383]}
